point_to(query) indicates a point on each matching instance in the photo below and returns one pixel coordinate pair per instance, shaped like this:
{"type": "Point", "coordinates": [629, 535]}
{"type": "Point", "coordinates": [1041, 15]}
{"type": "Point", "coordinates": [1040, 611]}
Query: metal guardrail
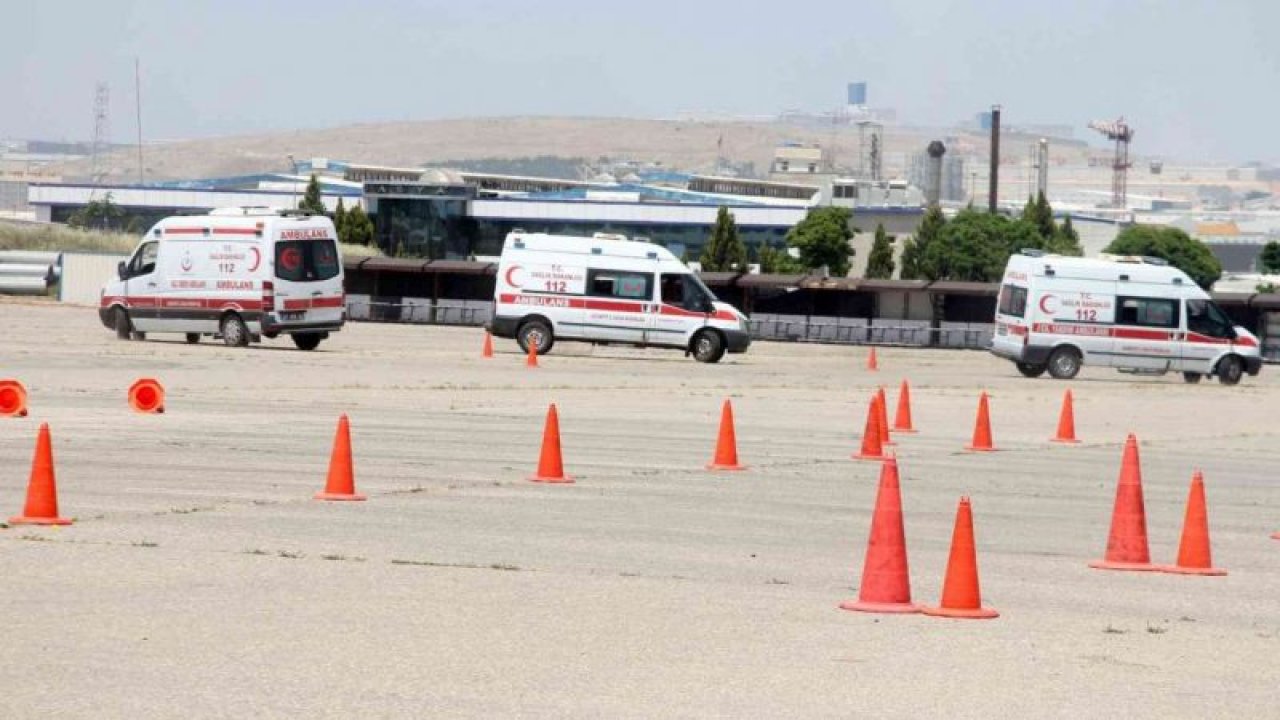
{"type": "Point", "coordinates": [785, 328]}
{"type": "Point", "coordinates": [798, 328]}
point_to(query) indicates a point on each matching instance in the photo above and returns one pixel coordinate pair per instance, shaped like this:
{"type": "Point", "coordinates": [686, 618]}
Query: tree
{"type": "Point", "coordinates": [975, 246]}
{"type": "Point", "coordinates": [340, 221]}
{"type": "Point", "coordinates": [777, 261]}
{"type": "Point", "coordinates": [97, 215]}
{"type": "Point", "coordinates": [1040, 214]}
{"type": "Point", "coordinates": [822, 238]}
{"type": "Point", "coordinates": [1269, 260]}
{"type": "Point", "coordinates": [1172, 245]}
{"type": "Point", "coordinates": [311, 202]}
{"type": "Point", "coordinates": [913, 250]}
{"type": "Point", "coordinates": [880, 261]}
{"type": "Point", "coordinates": [359, 227]}
{"type": "Point", "coordinates": [1067, 241]}
{"type": "Point", "coordinates": [725, 250]}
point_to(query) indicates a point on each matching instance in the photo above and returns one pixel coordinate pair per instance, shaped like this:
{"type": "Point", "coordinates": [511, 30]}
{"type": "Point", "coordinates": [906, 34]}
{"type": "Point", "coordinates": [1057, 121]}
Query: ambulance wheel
{"type": "Point", "coordinates": [535, 332]}
{"type": "Point", "coordinates": [1191, 378]}
{"type": "Point", "coordinates": [307, 341]}
{"type": "Point", "coordinates": [120, 321]}
{"type": "Point", "coordinates": [1230, 369]}
{"type": "Point", "coordinates": [193, 338]}
{"type": "Point", "coordinates": [708, 347]}
{"type": "Point", "coordinates": [1064, 363]}
{"type": "Point", "coordinates": [234, 331]}
{"type": "Point", "coordinates": [1031, 370]}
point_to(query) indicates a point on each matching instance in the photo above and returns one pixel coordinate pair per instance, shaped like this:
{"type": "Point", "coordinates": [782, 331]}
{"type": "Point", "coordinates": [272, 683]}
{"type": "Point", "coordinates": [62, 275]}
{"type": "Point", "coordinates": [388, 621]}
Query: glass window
{"type": "Point", "coordinates": [619, 284]}
{"type": "Point", "coordinates": [306, 260]}
{"type": "Point", "coordinates": [144, 261]}
{"type": "Point", "coordinates": [1013, 300]}
{"type": "Point", "coordinates": [1206, 318]}
{"type": "Point", "coordinates": [1147, 312]}
{"type": "Point", "coordinates": [684, 290]}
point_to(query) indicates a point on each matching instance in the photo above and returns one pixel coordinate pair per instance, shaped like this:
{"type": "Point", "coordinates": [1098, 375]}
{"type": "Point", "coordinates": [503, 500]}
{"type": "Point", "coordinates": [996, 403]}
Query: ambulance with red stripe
{"type": "Point", "coordinates": [606, 289]}
{"type": "Point", "coordinates": [1136, 314]}
{"type": "Point", "coordinates": [239, 274]}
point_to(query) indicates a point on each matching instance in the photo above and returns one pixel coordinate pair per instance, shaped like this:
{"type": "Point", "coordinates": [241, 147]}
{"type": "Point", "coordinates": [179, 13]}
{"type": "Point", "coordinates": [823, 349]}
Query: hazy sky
{"type": "Point", "coordinates": [1198, 79]}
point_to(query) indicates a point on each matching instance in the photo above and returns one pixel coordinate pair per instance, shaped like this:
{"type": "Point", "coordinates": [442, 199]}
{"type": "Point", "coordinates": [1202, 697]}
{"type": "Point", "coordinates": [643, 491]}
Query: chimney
{"type": "Point", "coordinates": [933, 173]}
{"type": "Point", "coordinates": [994, 187]}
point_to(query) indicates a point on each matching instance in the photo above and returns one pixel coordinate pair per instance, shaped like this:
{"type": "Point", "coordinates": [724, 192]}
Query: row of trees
{"type": "Point", "coordinates": [972, 246]}
{"type": "Point", "coordinates": [353, 226]}
{"type": "Point", "coordinates": [821, 239]}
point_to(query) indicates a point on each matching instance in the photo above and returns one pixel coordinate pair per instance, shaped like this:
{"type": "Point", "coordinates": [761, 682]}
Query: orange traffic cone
{"type": "Point", "coordinates": [13, 399]}
{"type": "Point", "coordinates": [532, 360]}
{"type": "Point", "coordinates": [982, 428]}
{"type": "Point", "coordinates": [1193, 552]}
{"type": "Point", "coordinates": [726, 457]}
{"type": "Point", "coordinates": [872, 364]}
{"type": "Point", "coordinates": [550, 464]}
{"type": "Point", "coordinates": [487, 352]}
{"type": "Point", "coordinates": [1127, 542]}
{"type": "Point", "coordinates": [341, 484]}
{"type": "Point", "coordinates": [872, 446]}
{"type": "Point", "coordinates": [147, 396]}
{"type": "Point", "coordinates": [902, 419]}
{"type": "Point", "coordinates": [883, 402]}
{"type": "Point", "coordinates": [1066, 421]}
{"type": "Point", "coordinates": [886, 579]}
{"type": "Point", "coordinates": [42, 488]}
{"type": "Point", "coordinates": [961, 597]}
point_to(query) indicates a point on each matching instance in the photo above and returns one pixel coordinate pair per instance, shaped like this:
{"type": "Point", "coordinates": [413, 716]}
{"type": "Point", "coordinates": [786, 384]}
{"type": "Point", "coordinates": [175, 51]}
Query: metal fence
{"type": "Point", "coordinates": [786, 328]}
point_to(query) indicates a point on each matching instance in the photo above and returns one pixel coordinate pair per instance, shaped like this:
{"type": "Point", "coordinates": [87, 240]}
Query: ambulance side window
{"type": "Point", "coordinates": [680, 290]}
{"type": "Point", "coordinates": [620, 284]}
{"type": "Point", "coordinates": [1147, 312]}
{"type": "Point", "coordinates": [144, 261]}
{"type": "Point", "coordinates": [1207, 319]}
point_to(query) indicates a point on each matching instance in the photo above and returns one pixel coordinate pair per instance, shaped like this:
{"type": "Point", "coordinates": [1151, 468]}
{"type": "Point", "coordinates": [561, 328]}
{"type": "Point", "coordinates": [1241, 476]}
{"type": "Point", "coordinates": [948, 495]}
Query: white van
{"type": "Point", "coordinates": [1135, 314]}
{"type": "Point", "coordinates": [237, 273]}
{"type": "Point", "coordinates": [605, 289]}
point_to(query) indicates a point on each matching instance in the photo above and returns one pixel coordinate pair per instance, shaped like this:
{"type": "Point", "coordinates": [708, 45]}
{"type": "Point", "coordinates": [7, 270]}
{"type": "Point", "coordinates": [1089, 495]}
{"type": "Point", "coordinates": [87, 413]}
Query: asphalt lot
{"type": "Point", "coordinates": [201, 580]}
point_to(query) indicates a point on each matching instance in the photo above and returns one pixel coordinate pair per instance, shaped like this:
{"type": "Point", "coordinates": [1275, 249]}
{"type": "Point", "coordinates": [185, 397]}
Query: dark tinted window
{"type": "Point", "coordinates": [1013, 300]}
{"type": "Point", "coordinates": [619, 284]}
{"type": "Point", "coordinates": [685, 291]}
{"type": "Point", "coordinates": [1147, 312]}
{"type": "Point", "coordinates": [1207, 319]}
{"type": "Point", "coordinates": [144, 261]}
{"type": "Point", "coordinates": [307, 260]}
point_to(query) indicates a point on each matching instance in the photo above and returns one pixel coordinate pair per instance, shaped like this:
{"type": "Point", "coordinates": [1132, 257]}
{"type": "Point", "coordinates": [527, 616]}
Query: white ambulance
{"type": "Point", "coordinates": [605, 289]}
{"type": "Point", "coordinates": [240, 274]}
{"type": "Point", "coordinates": [1135, 314]}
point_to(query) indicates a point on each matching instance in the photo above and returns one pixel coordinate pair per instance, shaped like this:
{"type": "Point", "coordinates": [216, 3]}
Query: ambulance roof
{"type": "Point", "coordinates": [575, 245]}
{"type": "Point", "coordinates": [1103, 268]}
{"type": "Point", "coordinates": [268, 219]}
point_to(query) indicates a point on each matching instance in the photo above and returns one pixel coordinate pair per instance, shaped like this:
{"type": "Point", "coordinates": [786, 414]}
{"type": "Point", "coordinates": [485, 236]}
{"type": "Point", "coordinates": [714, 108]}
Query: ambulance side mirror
{"type": "Point", "coordinates": [122, 270]}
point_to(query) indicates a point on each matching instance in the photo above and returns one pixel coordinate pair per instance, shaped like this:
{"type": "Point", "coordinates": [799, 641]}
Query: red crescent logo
{"type": "Point", "coordinates": [511, 271]}
{"type": "Point", "coordinates": [257, 258]}
{"type": "Point", "coordinates": [1044, 305]}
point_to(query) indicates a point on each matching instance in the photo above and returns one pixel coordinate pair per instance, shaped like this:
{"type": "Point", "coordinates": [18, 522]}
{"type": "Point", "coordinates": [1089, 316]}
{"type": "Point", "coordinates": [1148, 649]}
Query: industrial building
{"type": "Point", "coordinates": [446, 214]}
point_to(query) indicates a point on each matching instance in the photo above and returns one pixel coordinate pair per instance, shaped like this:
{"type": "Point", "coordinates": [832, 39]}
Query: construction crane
{"type": "Point", "coordinates": [1120, 132]}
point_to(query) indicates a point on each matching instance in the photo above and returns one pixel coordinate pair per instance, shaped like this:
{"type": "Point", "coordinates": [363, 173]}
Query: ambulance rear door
{"type": "Point", "coordinates": [308, 276]}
